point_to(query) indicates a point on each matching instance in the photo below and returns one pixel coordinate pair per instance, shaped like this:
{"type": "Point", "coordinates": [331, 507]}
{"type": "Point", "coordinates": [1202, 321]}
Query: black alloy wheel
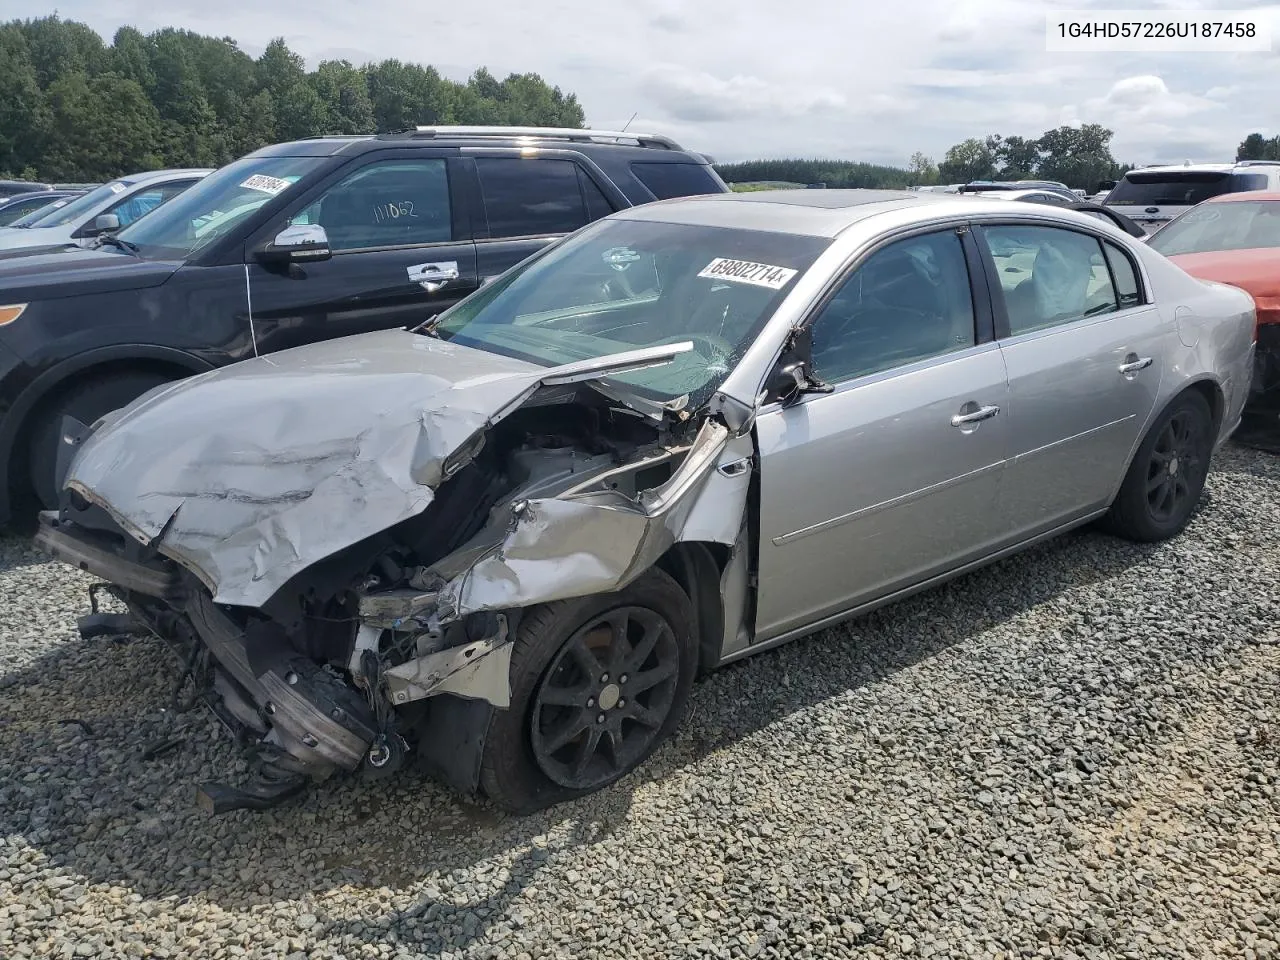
{"type": "Point", "coordinates": [605, 698]}
{"type": "Point", "coordinates": [1175, 468]}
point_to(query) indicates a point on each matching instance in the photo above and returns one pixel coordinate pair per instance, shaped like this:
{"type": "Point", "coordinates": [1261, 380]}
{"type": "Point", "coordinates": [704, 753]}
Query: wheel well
{"type": "Point", "coordinates": [17, 476]}
{"type": "Point", "coordinates": [697, 568]}
{"type": "Point", "coordinates": [1212, 394]}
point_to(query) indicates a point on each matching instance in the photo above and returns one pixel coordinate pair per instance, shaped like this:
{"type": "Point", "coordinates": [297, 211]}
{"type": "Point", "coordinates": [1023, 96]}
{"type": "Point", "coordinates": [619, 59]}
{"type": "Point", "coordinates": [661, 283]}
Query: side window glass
{"type": "Point", "coordinates": [1126, 277]}
{"type": "Point", "coordinates": [530, 197]}
{"type": "Point", "coordinates": [392, 203]}
{"type": "Point", "coordinates": [1049, 276]}
{"type": "Point", "coordinates": [142, 203]}
{"type": "Point", "coordinates": [597, 205]}
{"type": "Point", "coordinates": [909, 301]}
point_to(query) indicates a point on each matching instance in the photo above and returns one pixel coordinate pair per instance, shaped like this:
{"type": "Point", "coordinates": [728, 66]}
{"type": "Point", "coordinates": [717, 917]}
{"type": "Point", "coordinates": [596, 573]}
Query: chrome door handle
{"type": "Point", "coordinates": [433, 276]}
{"type": "Point", "coordinates": [1133, 366]}
{"type": "Point", "coordinates": [982, 413]}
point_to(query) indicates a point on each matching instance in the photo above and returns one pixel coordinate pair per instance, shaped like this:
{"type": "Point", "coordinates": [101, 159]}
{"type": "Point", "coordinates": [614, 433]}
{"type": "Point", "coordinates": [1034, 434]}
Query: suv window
{"type": "Point", "coordinates": [1182, 188]}
{"type": "Point", "coordinates": [667, 180]}
{"type": "Point", "coordinates": [1049, 276]}
{"type": "Point", "coordinates": [392, 203]}
{"type": "Point", "coordinates": [531, 197]}
{"type": "Point", "coordinates": [909, 301]}
{"type": "Point", "coordinates": [144, 201]}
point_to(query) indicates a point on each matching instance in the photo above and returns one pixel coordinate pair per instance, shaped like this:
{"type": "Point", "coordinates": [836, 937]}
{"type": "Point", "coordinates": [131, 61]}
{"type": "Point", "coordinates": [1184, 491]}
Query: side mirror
{"type": "Point", "coordinates": [106, 223]}
{"type": "Point", "coordinates": [790, 380]}
{"type": "Point", "coordinates": [300, 242]}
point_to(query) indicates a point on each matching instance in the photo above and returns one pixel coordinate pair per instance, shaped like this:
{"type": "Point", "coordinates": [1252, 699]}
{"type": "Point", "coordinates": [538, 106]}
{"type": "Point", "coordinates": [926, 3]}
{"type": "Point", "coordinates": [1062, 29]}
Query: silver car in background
{"type": "Point", "coordinates": [510, 538]}
{"type": "Point", "coordinates": [102, 210]}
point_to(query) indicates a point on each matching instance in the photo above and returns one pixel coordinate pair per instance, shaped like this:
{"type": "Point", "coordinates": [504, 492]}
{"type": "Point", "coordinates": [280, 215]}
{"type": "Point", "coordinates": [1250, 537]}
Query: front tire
{"type": "Point", "coordinates": [86, 403]}
{"type": "Point", "coordinates": [1167, 476]}
{"type": "Point", "coordinates": [597, 684]}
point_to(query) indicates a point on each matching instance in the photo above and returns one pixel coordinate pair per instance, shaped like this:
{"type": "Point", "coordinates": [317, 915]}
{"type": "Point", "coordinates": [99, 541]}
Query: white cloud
{"type": "Point", "coordinates": [688, 94]}
{"type": "Point", "coordinates": [744, 78]}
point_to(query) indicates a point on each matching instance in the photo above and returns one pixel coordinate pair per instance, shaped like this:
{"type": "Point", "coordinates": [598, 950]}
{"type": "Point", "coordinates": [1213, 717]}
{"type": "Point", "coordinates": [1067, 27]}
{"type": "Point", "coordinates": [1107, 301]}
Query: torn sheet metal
{"type": "Point", "coordinates": [592, 542]}
{"type": "Point", "coordinates": [478, 671]}
{"type": "Point", "coordinates": [251, 473]}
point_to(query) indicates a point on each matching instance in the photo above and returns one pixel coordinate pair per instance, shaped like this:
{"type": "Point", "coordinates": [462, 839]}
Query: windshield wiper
{"type": "Point", "coordinates": [110, 239]}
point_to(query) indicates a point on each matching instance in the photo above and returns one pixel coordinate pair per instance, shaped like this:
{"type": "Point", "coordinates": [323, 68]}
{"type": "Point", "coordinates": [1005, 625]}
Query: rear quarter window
{"type": "Point", "coordinates": [668, 180]}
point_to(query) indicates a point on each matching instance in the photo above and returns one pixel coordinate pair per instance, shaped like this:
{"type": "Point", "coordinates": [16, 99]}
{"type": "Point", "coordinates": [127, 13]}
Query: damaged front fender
{"type": "Point", "coordinates": [585, 541]}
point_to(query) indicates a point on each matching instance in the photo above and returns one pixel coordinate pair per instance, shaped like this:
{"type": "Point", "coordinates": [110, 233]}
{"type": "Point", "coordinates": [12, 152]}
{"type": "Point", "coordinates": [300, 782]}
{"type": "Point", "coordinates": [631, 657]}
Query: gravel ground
{"type": "Point", "coordinates": [1073, 753]}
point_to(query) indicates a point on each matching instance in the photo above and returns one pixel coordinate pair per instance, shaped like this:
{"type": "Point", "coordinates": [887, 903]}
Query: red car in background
{"type": "Point", "coordinates": [1235, 239]}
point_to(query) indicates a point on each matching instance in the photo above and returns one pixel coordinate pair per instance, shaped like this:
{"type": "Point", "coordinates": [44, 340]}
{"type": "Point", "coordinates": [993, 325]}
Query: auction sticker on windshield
{"type": "Point", "coordinates": [271, 185]}
{"type": "Point", "coordinates": [744, 271]}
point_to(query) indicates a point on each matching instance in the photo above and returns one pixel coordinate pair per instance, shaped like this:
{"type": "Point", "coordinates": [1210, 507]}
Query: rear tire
{"type": "Point", "coordinates": [1167, 476]}
{"type": "Point", "coordinates": [86, 403]}
{"type": "Point", "coordinates": [609, 675]}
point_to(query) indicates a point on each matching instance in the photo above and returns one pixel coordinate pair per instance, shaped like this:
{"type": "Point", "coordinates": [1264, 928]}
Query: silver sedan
{"type": "Point", "coordinates": [508, 539]}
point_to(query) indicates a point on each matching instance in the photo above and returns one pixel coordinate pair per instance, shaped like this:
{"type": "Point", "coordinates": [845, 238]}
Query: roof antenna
{"type": "Point", "coordinates": [633, 116]}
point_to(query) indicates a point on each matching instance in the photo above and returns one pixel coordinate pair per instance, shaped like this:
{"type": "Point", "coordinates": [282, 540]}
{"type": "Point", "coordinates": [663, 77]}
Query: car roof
{"type": "Point", "coordinates": [1188, 167]}
{"type": "Point", "coordinates": [646, 146]}
{"type": "Point", "coordinates": [173, 174]}
{"type": "Point", "coordinates": [815, 213]}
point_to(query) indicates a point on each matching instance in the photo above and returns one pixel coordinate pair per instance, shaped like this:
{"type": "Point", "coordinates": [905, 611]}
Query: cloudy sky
{"type": "Point", "coordinates": [854, 79]}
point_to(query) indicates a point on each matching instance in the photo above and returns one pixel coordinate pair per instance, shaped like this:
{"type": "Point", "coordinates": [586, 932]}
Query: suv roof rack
{"type": "Point", "coordinates": [1258, 163]}
{"type": "Point", "coordinates": [573, 134]}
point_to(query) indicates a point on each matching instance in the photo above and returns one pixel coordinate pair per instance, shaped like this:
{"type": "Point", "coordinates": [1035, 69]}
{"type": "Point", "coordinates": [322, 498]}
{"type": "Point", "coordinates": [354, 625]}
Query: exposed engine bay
{"type": "Point", "coordinates": [401, 642]}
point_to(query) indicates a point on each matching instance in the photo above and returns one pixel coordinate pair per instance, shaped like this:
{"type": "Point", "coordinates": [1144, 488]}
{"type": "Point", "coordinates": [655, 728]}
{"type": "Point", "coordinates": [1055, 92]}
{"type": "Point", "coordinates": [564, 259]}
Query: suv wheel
{"type": "Point", "coordinates": [86, 403]}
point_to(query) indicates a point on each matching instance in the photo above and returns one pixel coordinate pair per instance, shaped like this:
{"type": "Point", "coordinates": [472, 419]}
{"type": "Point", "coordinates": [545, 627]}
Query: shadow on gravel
{"type": "Point", "coordinates": [16, 552]}
{"type": "Point", "coordinates": [86, 800]}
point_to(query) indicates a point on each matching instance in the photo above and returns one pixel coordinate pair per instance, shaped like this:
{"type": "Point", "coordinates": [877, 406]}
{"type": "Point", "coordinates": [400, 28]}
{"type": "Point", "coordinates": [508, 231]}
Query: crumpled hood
{"type": "Point", "coordinates": [70, 271]}
{"type": "Point", "coordinates": [252, 472]}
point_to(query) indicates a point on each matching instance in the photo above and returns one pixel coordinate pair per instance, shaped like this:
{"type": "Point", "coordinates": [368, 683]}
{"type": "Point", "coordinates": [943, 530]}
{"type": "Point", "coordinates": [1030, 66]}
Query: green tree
{"type": "Point", "coordinates": [23, 116]}
{"type": "Point", "coordinates": [1017, 157]}
{"type": "Point", "coordinates": [188, 99]}
{"type": "Point", "coordinates": [61, 48]}
{"type": "Point", "coordinates": [973, 159]}
{"type": "Point", "coordinates": [100, 128]}
{"type": "Point", "coordinates": [922, 169]}
{"type": "Point", "coordinates": [345, 92]}
{"type": "Point", "coordinates": [1077, 156]}
{"type": "Point", "coordinates": [1257, 147]}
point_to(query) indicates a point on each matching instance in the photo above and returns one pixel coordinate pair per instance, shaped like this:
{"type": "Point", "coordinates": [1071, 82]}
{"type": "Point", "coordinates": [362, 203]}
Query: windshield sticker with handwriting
{"type": "Point", "coordinates": [266, 184]}
{"type": "Point", "coordinates": [745, 271]}
{"type": "Point", "coordinates": [116, 187]}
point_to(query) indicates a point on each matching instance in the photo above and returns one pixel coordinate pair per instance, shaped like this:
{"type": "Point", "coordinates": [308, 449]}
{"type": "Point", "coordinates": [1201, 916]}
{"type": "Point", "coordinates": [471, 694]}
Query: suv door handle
{"type": "Point", "coordinates": [975, 416]}
{"type": "Point", "coordinates": [433, 276]}
{"type": "Point", "coordinates": [1134, 365]}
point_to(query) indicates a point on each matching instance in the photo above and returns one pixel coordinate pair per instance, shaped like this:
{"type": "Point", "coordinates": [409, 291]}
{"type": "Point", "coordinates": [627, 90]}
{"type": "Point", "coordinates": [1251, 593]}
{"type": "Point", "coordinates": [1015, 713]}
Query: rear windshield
{"type": "Point", "coordinates": [1182, 189]}
{"type": "Point", "coordinates": [1236, 225]}
{"type": "Point", "coordinates": [667, 180]}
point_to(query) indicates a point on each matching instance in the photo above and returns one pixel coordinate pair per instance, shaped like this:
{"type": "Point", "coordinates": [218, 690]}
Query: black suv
{"type": "Point", "coordinates": [293, 243]}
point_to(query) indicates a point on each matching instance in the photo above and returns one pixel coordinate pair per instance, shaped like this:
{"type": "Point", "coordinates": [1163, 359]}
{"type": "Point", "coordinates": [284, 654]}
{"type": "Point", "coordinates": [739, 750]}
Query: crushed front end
{"type": "Point", "coordinates": [398, 640]}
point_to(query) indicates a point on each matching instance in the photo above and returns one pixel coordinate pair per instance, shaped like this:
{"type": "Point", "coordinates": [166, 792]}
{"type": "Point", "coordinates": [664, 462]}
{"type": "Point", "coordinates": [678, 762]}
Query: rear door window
{"type": "Point", "coordinates": [668, 180]}
{"type": "Point", "coordinates": [532, 197]}
{"type": "Point", "coordinates": [1049, 276]}
{"type": "Point", "coordinates": [1182, 189]}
